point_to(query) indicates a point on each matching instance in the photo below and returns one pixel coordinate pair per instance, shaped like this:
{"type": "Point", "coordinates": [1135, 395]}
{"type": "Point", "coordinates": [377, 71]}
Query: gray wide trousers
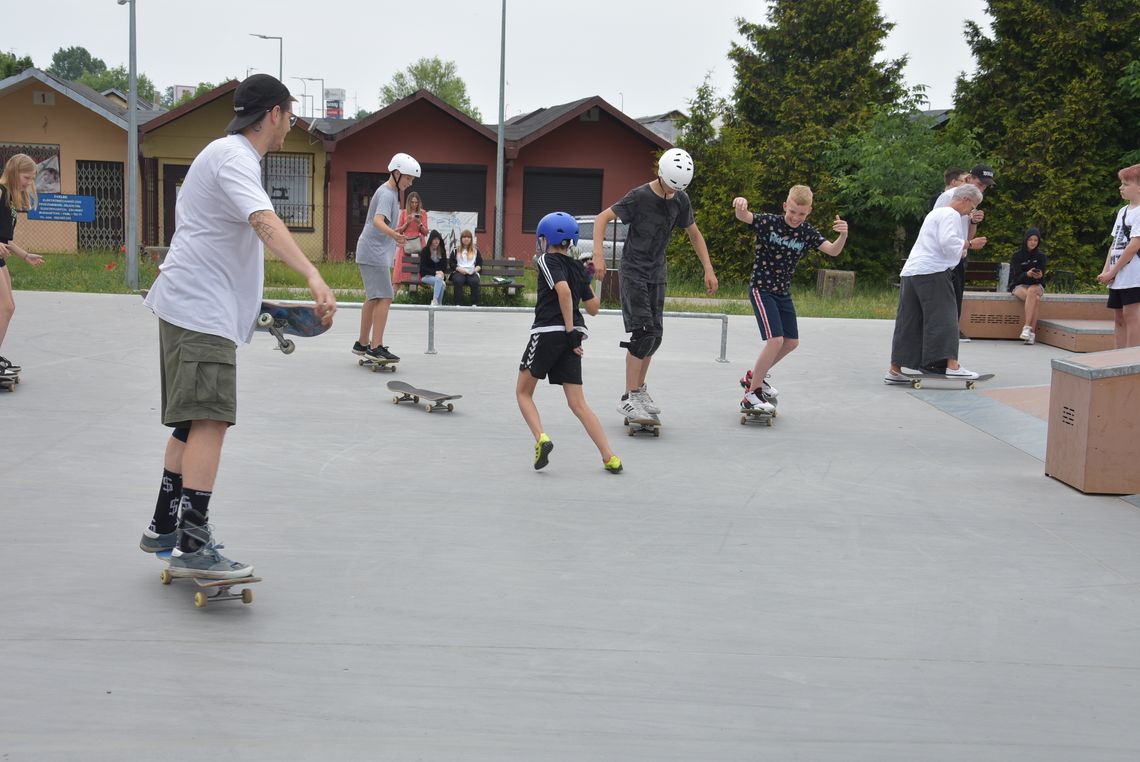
{"type": "Point", "coordinates": [926, 324]}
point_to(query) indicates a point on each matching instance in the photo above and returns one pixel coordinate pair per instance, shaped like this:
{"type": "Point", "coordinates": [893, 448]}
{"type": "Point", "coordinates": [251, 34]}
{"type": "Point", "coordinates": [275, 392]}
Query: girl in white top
{"type": "Point", "coordinates": [1121, 271]}
{"type": "Point", "coordinates": [466, 263]}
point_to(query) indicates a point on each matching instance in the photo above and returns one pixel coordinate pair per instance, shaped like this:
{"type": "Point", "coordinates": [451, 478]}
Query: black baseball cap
{"type": "Point", "coordinates": [254, 97]}
{"type": "Point", "coordinates": [985, 173]}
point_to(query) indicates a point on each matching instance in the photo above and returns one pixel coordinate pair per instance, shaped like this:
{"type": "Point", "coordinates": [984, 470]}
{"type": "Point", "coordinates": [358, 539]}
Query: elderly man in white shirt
{"type": "Point", "coordinates": [926, 324]}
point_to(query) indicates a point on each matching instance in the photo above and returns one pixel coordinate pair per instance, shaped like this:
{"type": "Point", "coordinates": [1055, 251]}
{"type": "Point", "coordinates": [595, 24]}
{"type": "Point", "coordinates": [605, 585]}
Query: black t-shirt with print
{"type": "Point", "coordinates": [651, 219]}
{"type": "Point", "coordinates": [553, 268]}
{"type": "Point", "coordinates": [7, 216]}
{"type": "Point", "coordinates": [779, 248]}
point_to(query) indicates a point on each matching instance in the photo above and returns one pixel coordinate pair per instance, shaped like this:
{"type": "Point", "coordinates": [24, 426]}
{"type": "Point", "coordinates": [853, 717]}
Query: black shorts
{"type": "Point", "coordinates": [642, 305]}
{"type": "Point", "coordinates": [1119, 298]}
{"type": "Point", "coordinates": [550, 353]}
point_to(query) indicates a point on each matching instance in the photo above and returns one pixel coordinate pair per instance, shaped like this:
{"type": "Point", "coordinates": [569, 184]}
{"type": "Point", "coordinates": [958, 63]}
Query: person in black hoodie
{"type": "Point", "coordinates": [433, 266]}
{"type": "Point", "coordinates": [1027, 280]}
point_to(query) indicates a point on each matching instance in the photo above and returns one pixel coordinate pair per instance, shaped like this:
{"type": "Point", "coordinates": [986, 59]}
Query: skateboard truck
{"type": "Point", "coordinates": [266, 321]}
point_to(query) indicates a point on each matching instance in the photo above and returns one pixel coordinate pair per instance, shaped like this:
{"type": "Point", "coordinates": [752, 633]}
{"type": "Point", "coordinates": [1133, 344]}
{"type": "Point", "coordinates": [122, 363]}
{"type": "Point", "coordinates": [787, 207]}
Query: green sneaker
{"type": "Point", "coordinates": [542, 451]}
{"type": "Point", "coordinates": [613, 465]}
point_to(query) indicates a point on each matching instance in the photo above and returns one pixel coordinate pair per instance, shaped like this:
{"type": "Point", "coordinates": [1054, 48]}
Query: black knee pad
{"type": "Point", "coordinates": [656, 345]}
{"type": "Point", "coordinates": [640, 344]}
{"type": "Point", "coordinates": [181, 434]}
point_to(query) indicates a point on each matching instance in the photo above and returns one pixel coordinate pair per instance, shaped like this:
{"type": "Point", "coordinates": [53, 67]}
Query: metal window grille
{"type": "Point", "coordinates": [104, 181]}
{"type": "Point", "coordinates": [288, 179]}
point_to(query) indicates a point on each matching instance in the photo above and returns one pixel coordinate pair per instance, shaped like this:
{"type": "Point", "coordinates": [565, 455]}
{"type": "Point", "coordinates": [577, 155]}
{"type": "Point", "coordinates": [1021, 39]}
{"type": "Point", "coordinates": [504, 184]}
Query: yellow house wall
{"type": "Point", "coordinates": [81, 134]}
{"type": "Point", "coordinates": [179, 141]}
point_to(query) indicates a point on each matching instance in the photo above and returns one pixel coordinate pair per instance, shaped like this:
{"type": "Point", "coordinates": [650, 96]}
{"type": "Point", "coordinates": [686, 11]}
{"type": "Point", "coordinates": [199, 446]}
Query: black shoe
{"type": "Point", "coordinates": [358, 348]}
{"type": "Point", "coordinates": [7, 367]}
{"type": "Point", "coordinates": [963, 338]}
{"type": "Point", "coordinates": [383, 351]}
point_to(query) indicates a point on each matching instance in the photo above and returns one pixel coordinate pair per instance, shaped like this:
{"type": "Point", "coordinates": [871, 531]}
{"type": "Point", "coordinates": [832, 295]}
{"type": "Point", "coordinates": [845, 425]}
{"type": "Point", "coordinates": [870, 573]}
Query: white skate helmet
{"type": "Point", "coordinates": [676, 168]}
{"type": "Point", "coordinates": [405, 164]}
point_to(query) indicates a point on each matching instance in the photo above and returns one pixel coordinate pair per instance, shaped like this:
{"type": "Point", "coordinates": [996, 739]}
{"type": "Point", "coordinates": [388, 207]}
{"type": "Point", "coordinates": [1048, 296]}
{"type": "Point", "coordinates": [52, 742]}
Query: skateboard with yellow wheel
{"type": "Point", "coordinates": [211, 590]}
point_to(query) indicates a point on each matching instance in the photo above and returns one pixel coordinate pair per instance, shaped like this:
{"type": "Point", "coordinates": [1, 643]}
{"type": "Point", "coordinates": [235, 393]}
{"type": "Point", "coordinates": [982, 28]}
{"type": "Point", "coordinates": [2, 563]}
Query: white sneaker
{"type": "Point", "coordinates": [632, 409]}
{"type": "Point", "coordinates": [646, 402]}
{"type": "Point", "coordinates": [1032, 338]}
{"type": "Point", "coordinates": [435, 302]}
{"type": "Point", "coordinates": [769, 390]}
{"type": "Point", "coordinates": [960, 372]}
{"type": "Point", "coordinates": [890, 377]}
{"type": "Point", "coordinates": [753, 401]}
{"type": "Point", "coordinates": [1025, 333]}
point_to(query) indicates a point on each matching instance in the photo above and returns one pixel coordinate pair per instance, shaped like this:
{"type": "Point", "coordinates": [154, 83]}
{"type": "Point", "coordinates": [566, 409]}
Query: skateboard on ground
{"type": "Point", "coordinates": [651, 425]}
{"type": "Point", "coordinates": [8, 381]}
{"type": "Point", "coordinates": [377, 366]}
{"type": "Point", "coordinates": [289, 319]}
{"type": "Point", "coordinates": [408, 393]}
{"type": "Point", "coordinates": [916, 379]}
{"type": "Point", "coordinates": [755, 415]}
{"type": "Point", "coordinates": [211, 590]}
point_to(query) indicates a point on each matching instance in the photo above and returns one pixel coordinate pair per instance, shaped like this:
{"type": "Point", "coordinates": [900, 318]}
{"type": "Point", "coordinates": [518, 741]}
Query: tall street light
{"type": "Point", "coordinates": [305, 93]}
{"type": "Point", "coordinates": [322, 81]}
{"type": "Point", "coordinates": [498, 250]}
{"type": "Point", "coordinates": [280, 51]}
{"type": "Point", "coordinates": [132, 212]}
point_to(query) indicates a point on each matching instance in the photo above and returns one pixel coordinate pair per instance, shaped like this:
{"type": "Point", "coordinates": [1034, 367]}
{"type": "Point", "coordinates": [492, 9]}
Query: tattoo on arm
{"type": "Point", "coordinates": [261, 226]}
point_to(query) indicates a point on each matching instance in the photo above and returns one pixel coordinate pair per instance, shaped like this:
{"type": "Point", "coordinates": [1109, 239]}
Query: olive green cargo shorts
{"type": "Point", "coordinates": [199, 376]}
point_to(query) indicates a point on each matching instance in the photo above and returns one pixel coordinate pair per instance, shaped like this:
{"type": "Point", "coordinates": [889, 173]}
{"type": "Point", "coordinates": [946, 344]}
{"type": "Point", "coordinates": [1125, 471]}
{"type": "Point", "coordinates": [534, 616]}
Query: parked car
{"type": "Point", "coordinates": [613, 242]}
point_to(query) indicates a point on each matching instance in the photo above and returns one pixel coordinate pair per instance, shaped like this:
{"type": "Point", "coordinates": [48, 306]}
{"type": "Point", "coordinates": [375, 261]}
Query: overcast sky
{"type": "Point", "coordinates": [644, 56]}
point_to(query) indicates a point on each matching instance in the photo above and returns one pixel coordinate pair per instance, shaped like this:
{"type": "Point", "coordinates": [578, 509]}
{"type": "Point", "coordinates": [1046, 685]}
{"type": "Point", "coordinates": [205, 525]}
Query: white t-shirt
{"type": "Point", "coordinates": [374, 247]}
{"type": "Point", "coordinates": [211, 280]}
{"type": "Point", "coordinates": [944, 200]}
{"type": "Point", "coordinates": [939, 244]}
{"type": "Point", "coordinates": [1129, 277]}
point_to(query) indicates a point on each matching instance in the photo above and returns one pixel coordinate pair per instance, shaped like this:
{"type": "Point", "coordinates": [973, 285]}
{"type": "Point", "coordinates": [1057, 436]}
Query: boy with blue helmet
{"type": "Point", "coordinates": [556, 336]}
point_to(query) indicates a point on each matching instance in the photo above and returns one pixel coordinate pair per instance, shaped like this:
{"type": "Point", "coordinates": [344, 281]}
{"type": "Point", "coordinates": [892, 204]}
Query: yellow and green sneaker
{"type": "Point", "coordinates": [613, 465]}
{"type": "Point", "coordinates": [542, 451]}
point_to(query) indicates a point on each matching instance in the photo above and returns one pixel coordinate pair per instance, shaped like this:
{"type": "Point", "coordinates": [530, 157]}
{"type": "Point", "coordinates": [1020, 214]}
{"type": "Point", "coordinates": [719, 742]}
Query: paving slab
{"type": "Point", "coordinates": [884, 574]}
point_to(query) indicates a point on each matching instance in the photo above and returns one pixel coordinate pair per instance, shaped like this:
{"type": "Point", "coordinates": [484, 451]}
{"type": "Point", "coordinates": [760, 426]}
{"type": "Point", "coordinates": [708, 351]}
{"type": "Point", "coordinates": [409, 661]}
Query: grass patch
{"type": "Point", "coordinates": [105, 272]}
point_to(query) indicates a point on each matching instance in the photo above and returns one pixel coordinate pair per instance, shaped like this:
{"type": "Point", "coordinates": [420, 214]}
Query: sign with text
{"type": "Point", "coordinates": [451, 224]}
{"type": "Point", "coordinates": [63, 207]}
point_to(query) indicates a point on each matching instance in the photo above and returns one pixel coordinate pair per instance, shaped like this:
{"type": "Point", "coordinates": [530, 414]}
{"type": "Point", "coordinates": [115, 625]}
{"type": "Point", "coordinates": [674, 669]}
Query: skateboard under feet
{"type": "Point", "coordinates": [377, 366]}
{"type": "Point", "coordinates": [643, 426]}
{"type": "Point", "coordinates": [435, 400]}
{"type": "Point", "coordinates": [211, 590]}
{"type": "Point", "coordinates": [915, 379]}
{"type": "Point", "coordinates": [8, 381]}
{"type": "Point", "coordinates": [754, 415]}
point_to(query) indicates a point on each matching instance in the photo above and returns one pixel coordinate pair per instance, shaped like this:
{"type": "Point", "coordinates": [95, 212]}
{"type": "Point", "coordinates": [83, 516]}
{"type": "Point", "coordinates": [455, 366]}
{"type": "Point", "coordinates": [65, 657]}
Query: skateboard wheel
{"type": "Point", "coordinates": [969, 384]}
{"type": "Point", "coordinates": [395, 400]}
{"type": "Point", "coordinates": [657, 432]}
{"type": "Point", "coordinates": [450, 407]}
{"type": "Point", "coordinates": [200, 600]}
{"type": "Point", "coordinates": [743, 420]}
{"type": "Point", "coordinates": [360, 363]}
{"type": "Point", "coordinates": [415, 400]}
{"type": "Point", "coordinates": [429, 408]}
{"type": "Point", "coordinates": [630, 432]}
{"type": "Point", "coordinates": [916, 384]}
{"type": "Point", "coordinates": [247, 596]}
{"type": "Point", "coordinates": [625, 422]}
{"type": "Point", "coordinates": [288, 347]}
{"type": "Point", "coordinates": [265, 320]}
{"type": "Point", "coordinates": [165, 577]}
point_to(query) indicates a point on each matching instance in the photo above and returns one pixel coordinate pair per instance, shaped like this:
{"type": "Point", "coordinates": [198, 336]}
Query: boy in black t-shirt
{"type": "Point", "coordinates": [780, 243]}
{"type": "Point", "coordinates": [556, 337]}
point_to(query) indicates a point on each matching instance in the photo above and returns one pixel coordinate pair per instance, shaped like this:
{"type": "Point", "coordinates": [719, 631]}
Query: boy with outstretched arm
{"type": "Point", "coordinates": [652, 211]}
{"type": "Point", "coordinates": [556, 337]}
{"type": "Point", "coordinates": [780, 243]}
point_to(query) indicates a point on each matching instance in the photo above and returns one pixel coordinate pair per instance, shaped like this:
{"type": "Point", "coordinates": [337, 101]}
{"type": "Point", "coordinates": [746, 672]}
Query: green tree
{"type": "Point", "coordinates": [168, 94]}
{"type": "Point", "coordinates": [10, 65]}
{"type": "Point", "coordinates": [885, 176]}
{"type": "Point", "coordinates": [1046, 104]}
{"type": "Point", "coordinates": [119, 78]}
{"type": "Point", "coordinates": [72, 63]}
{"type": "Point", "coordinates": [809, 76]}
{"type": "Point", "coordinates": [723, 171]}
{"type": "Point", "coordinates": [441, 78]}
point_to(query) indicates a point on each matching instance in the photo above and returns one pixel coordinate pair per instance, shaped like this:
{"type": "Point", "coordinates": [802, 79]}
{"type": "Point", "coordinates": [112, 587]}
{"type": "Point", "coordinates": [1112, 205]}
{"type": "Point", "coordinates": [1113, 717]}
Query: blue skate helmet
{"type": "Point", "coordinates": [557, 228]}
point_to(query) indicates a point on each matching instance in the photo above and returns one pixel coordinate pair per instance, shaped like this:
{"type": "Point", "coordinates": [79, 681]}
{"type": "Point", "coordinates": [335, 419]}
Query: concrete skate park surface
{"type": "Point", "coordinates": [885, 574]}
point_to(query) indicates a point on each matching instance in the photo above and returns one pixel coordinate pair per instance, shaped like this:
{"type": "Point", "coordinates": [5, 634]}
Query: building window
{"type": "Point", "coordinates": [288, 179]}
{"type": "Point", "coordinates": [546, 190]}
{"type": "Point", "coordinates": [454, 188]}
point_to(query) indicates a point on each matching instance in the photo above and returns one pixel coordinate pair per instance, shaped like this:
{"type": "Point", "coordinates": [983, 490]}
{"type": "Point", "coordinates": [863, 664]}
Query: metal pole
{"type": "Point", "coordinates": [499, 154]}
{"type": "Point", "coordinates": [305, 91]}
{"type": "Point", "coordinates": [322, 81]}
{"type": "Point", "coordinates": [132, 212]}
{"type": "Point", "coordinates": [281, 58]}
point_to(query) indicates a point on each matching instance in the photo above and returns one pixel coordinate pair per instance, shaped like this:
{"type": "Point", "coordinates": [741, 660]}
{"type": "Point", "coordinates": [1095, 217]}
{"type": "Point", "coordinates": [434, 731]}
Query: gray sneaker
{"type": "Point", "coordinates": [152, 542]}
{"type": "Point", "coordinates": [631, 408]}
{"type": "Point", "coordinates": [647, 403]}
{"type": "Point", "coordinates": [206, 561]}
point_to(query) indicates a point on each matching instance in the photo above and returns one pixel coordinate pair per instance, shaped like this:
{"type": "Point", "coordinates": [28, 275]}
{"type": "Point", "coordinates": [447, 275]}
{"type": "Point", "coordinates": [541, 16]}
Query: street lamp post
{"type": "Point", "coordinates": [280, 51]}
{"type": "Point", "coordinates": [499, 169]}
{"type": "Point", "coordinates": [132, 212]}
{"type": "Point", "coordinates": [305, 91]}
{"type": "Point", "coordinates": [322, 81]}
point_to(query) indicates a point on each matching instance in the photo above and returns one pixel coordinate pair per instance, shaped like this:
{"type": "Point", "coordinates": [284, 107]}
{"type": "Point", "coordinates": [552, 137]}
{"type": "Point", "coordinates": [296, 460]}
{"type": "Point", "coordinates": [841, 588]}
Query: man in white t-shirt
{"type": "Point", "coordinates": [1121, 271]}
{"type": "Point", "coordinates": [207, 298]}
{"type": "Point", "coordinates": [926, 325]}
